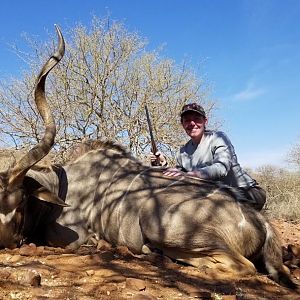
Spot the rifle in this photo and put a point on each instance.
(153, 144)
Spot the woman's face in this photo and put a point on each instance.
(194, 125)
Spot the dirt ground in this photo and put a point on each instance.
(101, 272)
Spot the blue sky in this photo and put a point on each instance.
(249, 51)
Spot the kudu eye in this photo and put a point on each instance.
(15, 198)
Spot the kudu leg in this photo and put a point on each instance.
(219, 261)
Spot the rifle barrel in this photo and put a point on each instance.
(153, 144)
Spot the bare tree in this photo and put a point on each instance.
(294, 155)
(99, 91)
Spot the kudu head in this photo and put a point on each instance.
(13, 195)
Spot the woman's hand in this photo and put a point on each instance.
(158, 159)
(173, 172)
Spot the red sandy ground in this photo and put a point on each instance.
(90, 273)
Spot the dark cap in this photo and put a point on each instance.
(192, 107)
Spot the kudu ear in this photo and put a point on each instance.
(35, 188)
(44, 194)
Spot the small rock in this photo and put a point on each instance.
(296, 273)
(59, 250)
(103, 245)
(28, 250)
(90, 272)
(33, 278)
(229, 297)
(144, 296)
(135, 284)
(295, 249)
(115, 279)
(40, 250)
(14, 258)
(110, 289)
(195, 293)
(146, 250)
(107, 256)
(123, 251)
(4, 274)
(13, 251)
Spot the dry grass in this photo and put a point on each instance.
(283, 192)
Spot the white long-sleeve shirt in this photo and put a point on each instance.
(214, 157)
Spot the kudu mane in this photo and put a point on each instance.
(82, 148)
(85, 146)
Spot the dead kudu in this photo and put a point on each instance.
(109, 194)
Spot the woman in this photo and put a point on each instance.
(210, 155)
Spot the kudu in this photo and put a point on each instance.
(111, 195)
